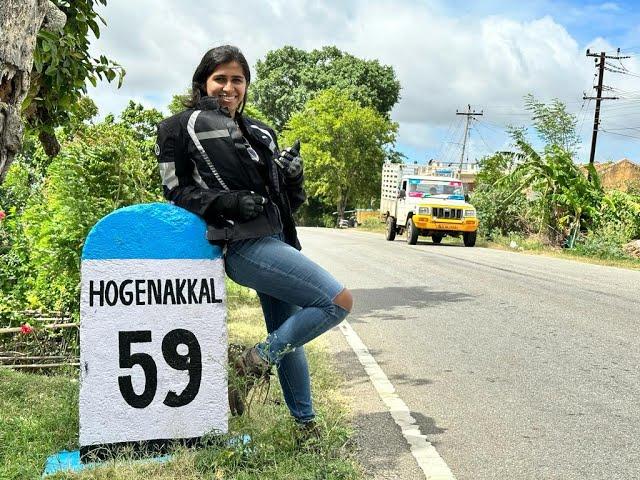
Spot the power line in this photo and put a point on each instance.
(446, 139)
(448, 150)
(584, 115)
(493, 127)
(634, 47)
(620, 134)
(624, 128)
(489, 149)
(623, 72)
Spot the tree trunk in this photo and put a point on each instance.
(20, 21)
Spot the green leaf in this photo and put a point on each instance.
(65, 63)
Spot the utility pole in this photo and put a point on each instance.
(601, 64)
(468, 114)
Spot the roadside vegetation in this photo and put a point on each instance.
(531, 244)
(39, 417)
(542, 200)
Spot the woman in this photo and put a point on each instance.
(227, 168)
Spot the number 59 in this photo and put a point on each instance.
(191, 362)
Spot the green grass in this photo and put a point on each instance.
(530, 245)
(372, 225)
(533, 245)
(39, 417)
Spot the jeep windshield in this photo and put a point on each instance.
(429, 188)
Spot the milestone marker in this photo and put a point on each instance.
(153, 337)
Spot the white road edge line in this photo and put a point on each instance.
(431, 463)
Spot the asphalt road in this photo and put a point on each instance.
(514, 366)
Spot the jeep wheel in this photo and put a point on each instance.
(412, 232)
(391, 229)
(437, 238)
(469, 239)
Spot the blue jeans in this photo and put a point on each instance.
(296, 296)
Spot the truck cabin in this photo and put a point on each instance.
(424, 188)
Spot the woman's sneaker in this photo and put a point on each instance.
(308, 435)
(249, 369)
(251, 365)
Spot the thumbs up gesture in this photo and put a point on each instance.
(290, 162)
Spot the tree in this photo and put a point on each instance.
(177, 102)
(143, 122)
(100, 167)
(48, 63)
(343, 147)
(289, 77)
(251, 110)
(564, 198)
(554, 124)
(20, 23)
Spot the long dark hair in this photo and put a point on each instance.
(210, 61)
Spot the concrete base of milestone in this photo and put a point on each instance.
(66, 461)
(151, 451)
(147, 448)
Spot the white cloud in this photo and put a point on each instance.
(443, 62)
(610, 7)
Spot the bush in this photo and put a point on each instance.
(98, 171)
(605, 243)
(21, 185)
(502, 208)
(372, 222)
(622, 211)
(328, 221)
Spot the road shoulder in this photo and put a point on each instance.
(380, 447)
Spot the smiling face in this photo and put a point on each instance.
(228, 84)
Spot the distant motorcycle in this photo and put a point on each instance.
(348, 222)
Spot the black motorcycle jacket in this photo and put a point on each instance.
(203, 153)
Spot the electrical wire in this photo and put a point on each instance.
(622, 128)
(583, 110)
(619, 134)
(489, 150)
(623, 72)
(446, 138)
(447, 146)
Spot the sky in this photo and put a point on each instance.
(446, 55)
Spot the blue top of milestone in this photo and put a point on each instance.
(149, 231)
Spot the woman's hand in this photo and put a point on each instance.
(242, 206)
(290, 162)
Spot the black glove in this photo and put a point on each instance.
(241, 206)
(290, 162)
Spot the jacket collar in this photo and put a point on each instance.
(211, 103)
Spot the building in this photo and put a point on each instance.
(438, 168)
(620, 175)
